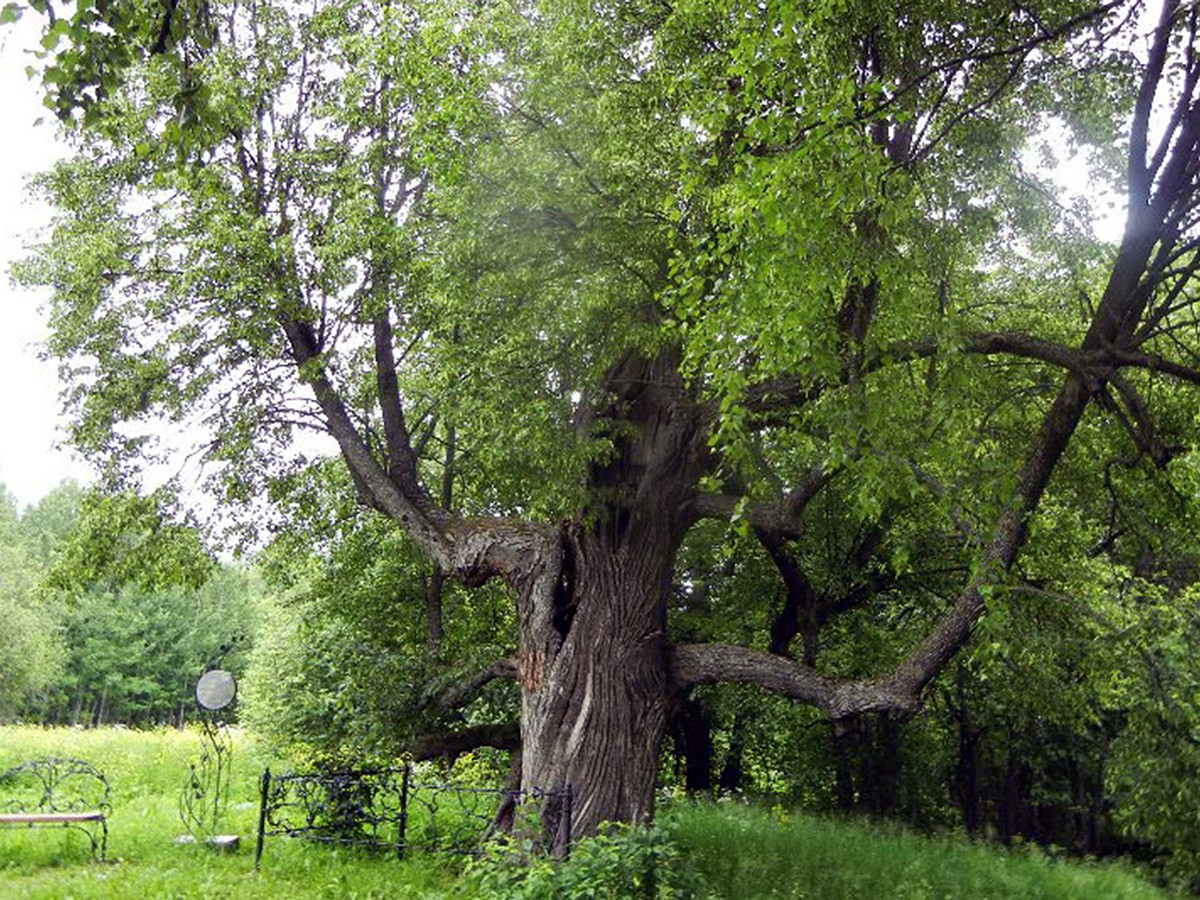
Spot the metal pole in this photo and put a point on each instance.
(570, 814)
(403, 812)
(262, 816)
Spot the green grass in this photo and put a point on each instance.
(146, 771)
(728, 850)
(743, 851)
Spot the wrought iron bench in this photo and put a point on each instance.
(54, 792)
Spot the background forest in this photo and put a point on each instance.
(112, 610)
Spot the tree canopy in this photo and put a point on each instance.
(603, 301)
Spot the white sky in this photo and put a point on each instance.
(30, 461)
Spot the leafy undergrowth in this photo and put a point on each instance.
(732, 850)
(726, 850)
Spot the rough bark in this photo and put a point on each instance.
(592, 669)
(593, 714)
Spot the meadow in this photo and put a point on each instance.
(711, 850)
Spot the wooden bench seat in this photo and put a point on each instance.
(49, 818)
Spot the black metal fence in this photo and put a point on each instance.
(394, 809)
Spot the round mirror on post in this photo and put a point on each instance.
(216, 689)
(206, 789)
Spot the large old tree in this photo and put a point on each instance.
(619, 269)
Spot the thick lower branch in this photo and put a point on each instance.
(501, 737)
(690, 664)
(463, 692)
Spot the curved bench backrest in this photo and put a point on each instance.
(54, 785)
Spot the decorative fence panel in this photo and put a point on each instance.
(391, 809)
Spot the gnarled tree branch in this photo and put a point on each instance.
(463, 692)
(1106, 344)
(474, 549)
(500, 736)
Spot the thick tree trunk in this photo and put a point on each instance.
(594, 718)
(692, 733)
(595, 693)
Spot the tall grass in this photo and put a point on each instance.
(741, 851)
(698, 850)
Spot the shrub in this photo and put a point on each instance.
(621, 862)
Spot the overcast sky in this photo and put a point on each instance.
(30, 462)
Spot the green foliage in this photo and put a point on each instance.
(31, 651)
(1154, 769)
(31, 645)
(326, 689)
(113, 610)
(622, 861)
(343, 668)
(129, 540)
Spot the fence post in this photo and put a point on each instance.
(570, 804)
(403, 811)
(262, 816)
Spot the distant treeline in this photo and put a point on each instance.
(112, 610)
